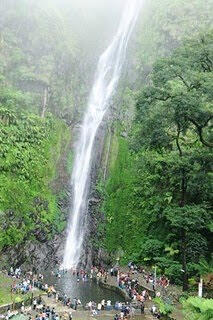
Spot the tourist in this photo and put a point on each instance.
(43, 315)
(153, 310)
(147, 279)
(8, 316)
(112, 272)
(57, 317)
(70, 315)
(75, 303)
(53, 313)
(56, 297)
(116, 272)
(108, 305)
(119, 306)
(34, 303)
(94, 312)
(122, 315)
(11, 273)
(116, 305)
(99, 307)
(105, 277)
(142, 308)
(39, 301)
(22, 307)
(47, 311)
(41, 277)
(103, 304)
(90, 305)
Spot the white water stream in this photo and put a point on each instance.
(106, 79)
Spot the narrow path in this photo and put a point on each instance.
(172, 292)
(80, 314)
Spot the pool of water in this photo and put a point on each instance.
(83, 290)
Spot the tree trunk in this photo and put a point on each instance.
(182, 204)
(44, 106)
(184, 262)
(183, 234)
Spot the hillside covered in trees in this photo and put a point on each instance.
(155, 189)
(46, 65)
(157, 199)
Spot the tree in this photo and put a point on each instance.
(198, 309)
(174, 117)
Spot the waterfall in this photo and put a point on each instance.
(106, 79)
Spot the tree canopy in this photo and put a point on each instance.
(159, 193)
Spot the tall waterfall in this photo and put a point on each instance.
(106, 79)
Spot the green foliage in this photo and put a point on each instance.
(159, 192)
(5, 292)
(38, 52)
(119, 186)
(163, 26)
(13, 99)
(30, 147)
(204, 267)
(150, 249)
(198, 309)
(164, 308)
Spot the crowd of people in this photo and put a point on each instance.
(24, 283)
(37, 311)
(128, 281)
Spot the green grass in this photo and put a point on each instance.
(5, 292)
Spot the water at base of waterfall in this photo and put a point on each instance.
(84, 290)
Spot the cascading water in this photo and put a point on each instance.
(106, 79)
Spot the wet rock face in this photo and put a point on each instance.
(41, 253)
(44, 249)
(34, 255)
(93, 254)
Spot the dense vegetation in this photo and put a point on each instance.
(198, 309)
(30, 149)
(157, 196)
(46, 65)
(34, 60)
(159, 192)
(34, 80)
(45, 54)
(163, 26)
